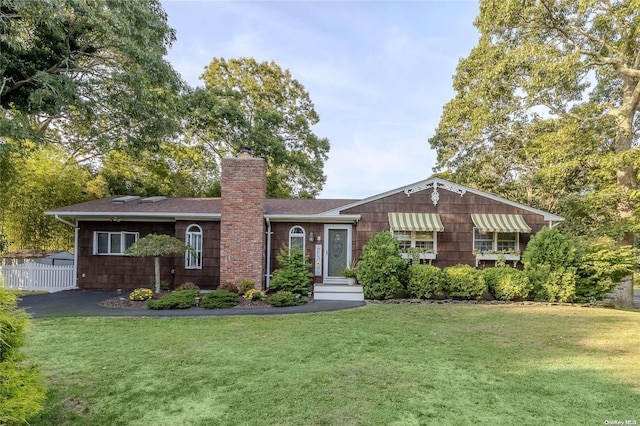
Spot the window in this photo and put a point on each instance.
(495, 241)
(420, 243)
(113, 242)
(193, 259)
(296, 237)
(416, 239)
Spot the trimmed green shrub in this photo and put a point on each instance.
(602, 266)
(425, 281)
(382, 270)
(22, 389)
(557, 285)
(549, 247)
(464, 282)
(285, 298)
(219, 299)
(183, 299)
(294, 274)
(507, 283)
(550, 262)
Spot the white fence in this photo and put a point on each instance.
(37, 277)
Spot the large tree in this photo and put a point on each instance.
(260, 105)
(88, 75)
(547, 109)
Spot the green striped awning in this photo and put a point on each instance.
(415, 222)
(500, 223)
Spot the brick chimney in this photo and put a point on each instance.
(242, 228)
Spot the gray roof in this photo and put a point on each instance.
(189, 207)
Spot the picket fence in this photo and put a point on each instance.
(35, 276)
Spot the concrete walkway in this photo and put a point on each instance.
(85, 303)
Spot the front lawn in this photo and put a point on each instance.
(376, 365)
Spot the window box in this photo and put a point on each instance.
(508, 257)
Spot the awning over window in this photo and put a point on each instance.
(500, 223)
(415, 222)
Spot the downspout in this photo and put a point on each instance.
(75, 247)
(268, 271)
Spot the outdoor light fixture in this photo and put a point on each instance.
(311, 236)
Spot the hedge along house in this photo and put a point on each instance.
(239, 235)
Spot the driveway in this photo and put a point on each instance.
(85, 303)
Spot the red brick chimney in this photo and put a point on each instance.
(242, 227)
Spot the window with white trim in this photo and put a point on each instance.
(416, 239)
(495, 241)
(114, 243)
(193, 259)
(296, 237)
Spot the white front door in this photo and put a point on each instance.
(337, 252)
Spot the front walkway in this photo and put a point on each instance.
(85, 303)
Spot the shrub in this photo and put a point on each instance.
(425, 281)
(507, 283)
(464, 282)
(294, 275)
(219, 299)
(141, 294)
(254, 294)
(229, 287)
(382, 270)
(285, 298)
(187, 286)
(549, 262)
(556, 286)
(22, 389)
(549, 247)
(601, 267)
(183, 299)
(245, 285)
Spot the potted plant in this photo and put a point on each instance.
(350, 273)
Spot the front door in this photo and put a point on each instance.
(337, 252)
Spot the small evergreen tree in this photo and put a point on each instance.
(294, 274)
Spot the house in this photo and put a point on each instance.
(54, 258)
(239, 235)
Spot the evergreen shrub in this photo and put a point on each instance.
(382, 272)
(219, 299)
(285, 298)
(425, 281)
(22, 389)
(464, 282)
(294, 274)
(507, 283)
(183, 299)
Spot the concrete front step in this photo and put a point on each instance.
(338, 292)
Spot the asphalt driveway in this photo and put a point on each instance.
(79, 303)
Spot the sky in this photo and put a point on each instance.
(378, 72)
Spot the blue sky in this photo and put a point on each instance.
(378, 73)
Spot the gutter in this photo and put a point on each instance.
(313, 218)
(268, 271)
(75, 247)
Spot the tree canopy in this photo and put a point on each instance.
(260, 105)
(546, 109)
(88, 75)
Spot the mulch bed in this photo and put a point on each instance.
(123, 302)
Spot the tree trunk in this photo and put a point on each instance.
(157, 268)
(626, 180)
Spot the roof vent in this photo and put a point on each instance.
(153, 199)
(125, 199)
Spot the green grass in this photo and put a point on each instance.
(376, 365)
